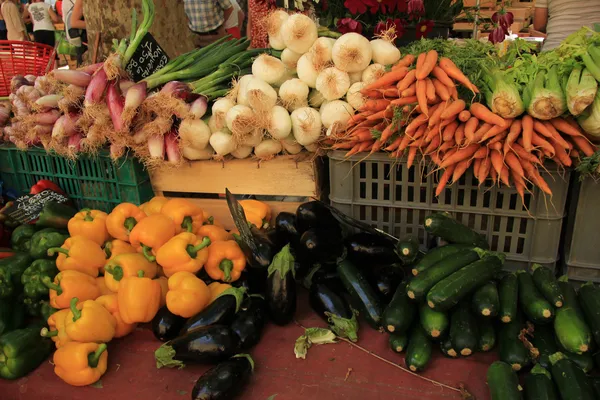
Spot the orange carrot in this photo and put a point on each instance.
(387, 132)
(410, 92)
(433, 145)
(390, 91)
(504, 175)
(454, 92)
(565, 127)
(459, 135)
(444, 179)
(374, 94)
(453, 109)
(499, 137)
(428, 64)
(395, 144)
(483, 113)
(441, 90)
(493, 175)
(422, 96)
(420, 61)
(375, 105)
(541, 128)
(418, 143)
(484, 170)
(407, 81)
(455, 73)
(343, 146)
(497, 161)
(561, 154)
(482, 152)
(527, 132)
(420, 132)
(406, 61)
(495, 146)
(435, 158)
(524, 155)
(403, 144)
(584, 145)
(557, 136)
(404, 101)
(421, 119)
(443, 77)
(391, 78)
(360, 135)
(513, 163)
(447, 145)
(519, 184)
(460, 155)
(513, 134)
(470, 128)
(355, 149)
(449, 130)
(539, 181)
(430, 90)
(412, 152)
(464, 116)
(435, 117)
(538, 141)
(481, 131)
(365, 146)
(460, 169)
(476, 167)
(377, 116)
(377, 146)
(492, 132)
(574, 153)
(434, 131)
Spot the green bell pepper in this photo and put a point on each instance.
(22, 351)
(11, 270)
(44, 240)
(55, 215)
(12, 315)
(32, 278)
(38, 308)
(20, 239)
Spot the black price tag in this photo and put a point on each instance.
(148, 58)
(28, 207)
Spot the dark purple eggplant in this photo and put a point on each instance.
(316, 215)
(285, 226)
(210, 344)
(226, 380)
(385, 279)
(335, 310)
(327, 274)
(367, 249)
(250, 321)
(320, 246)
(221, 311)
(166, 325)
(281, 288)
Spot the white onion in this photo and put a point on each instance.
(321, 52)
(280, 124)
(306, 70)
(274, 22)
(333, 83)
(222, 142)
(294, 94)
(268, 68)
(372, 73)
(242, 86)
(267, 149)
(291, 146)
(335, 115)
(253, 139)
(354, 97)
(215, 125)
(219, 110)
(290, 59)
(194, 133)
(194, 154)
(261, 96)
(351, 52)
(315, 98)
(240, 120)
(312, 148)
(299, 32)
(306, 125)
(242, 152)
(355, 77)
(384, 52)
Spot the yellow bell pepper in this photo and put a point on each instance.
(164, 289)
(90, 224)
(102, 286)
(187, 295)
(122, 219)
(214, 233)
(151, 233)
(187, 216)
(111, 303)
(56, 328)
(257, 213)
(209, 219)
(138, 298)
(154, 205)
(79, 253)
(226, 261)
(89, 322)
(184, 252)
(70, 284)
(117, 247)
(127, 265)
(81, 364)
(216, 288)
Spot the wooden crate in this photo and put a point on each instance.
(284, 183)
(482, 3)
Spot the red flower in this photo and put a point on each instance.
(423, 28)
(356, 6)
(497, 35)
(402, 6)
(346, 25)
(386, 6)
(396, 23)
(416, 7)
(504, 18)
(324, 5)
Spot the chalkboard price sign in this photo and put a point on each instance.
(28, 207)
(148, 58)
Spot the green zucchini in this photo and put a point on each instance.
(463, 330)
(449, 291)
(418, 287)
(511, 349)
(538, 385)
(508, 291)
(503, 382)
(447, 349)
(589, 299)
(570, 380)
(546, 283)
(436, 255)
(486, 300)
(434, 323)
(408, 250)
(595, 382)
(535, 306)
(572, 331)
(584, 361)
(544, 341)
(487, 335)
(398, 342)
(419, 348)
(399, 314)
(361, 293)
(452, 231)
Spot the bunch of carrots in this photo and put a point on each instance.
(418, 111)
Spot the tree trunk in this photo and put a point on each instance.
(113, 20)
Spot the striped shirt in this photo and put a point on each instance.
(566, 17)
(205, 15)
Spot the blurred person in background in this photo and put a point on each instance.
(233, 24)
(43, 17)
(76, 34)
(206, 18)
(256, 30)
(14, 23)
(3, 32)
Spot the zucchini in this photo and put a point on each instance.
(511, 349)
(408, 250)
(546, 283)
(487, 335)
(463, 330)
(449, 291)
(595, 382)
(544, 341)
(362, 295)
(436, 255)
(508, 292)
(584, 361)
(570, 379)
(503, 382)
(535, 306)
(538, 385)
(398, 342)
(572, 331)
(418, 287)
(434, 323)
(486, 300)
(452, 231)
(418, 352)
(399, 314)
(447, 349)
(589, 299)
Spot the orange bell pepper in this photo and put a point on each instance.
(89, 322)
(187, 295)
(104, 290)
(257, 213)
(90, 224)
(80, 364)
(138, 298)
(184, 252)
(186, 215)
(214, 233)
(70, 284)
(209, 219)
(79, 253)
(122, 219)
(117, 247)
(216, 288)
(226, 261)
(151, 233)
(164, 289)
(56, 328)
(154, 205)
(111, 303)
(127, 265)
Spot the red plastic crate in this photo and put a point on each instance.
(22, 58)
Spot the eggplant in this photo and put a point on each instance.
(281, 288)
(320, 246)
(166, 325)
(250, 321)
(285, 226)
(385, 280)
(327, 274)
(210, 344)
(365, 248)
(224, 381)
(221, 311)
(335, 310)
(316, 215)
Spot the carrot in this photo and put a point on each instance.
(513, 163)
(355, 149)
(449, 130)
(419, 133)
(481, 152)
(375, 105)
(541, 128)
(528, 132)
(395, 144)
(390, 91)
(391, 78)
(420, 61)
(464, 116)
(427, 65)
(435, 158)
(499, 138)
(404, 101)
(563, 126)
(365, 146)
(483, 113)
(412, 152)
(377, 146)
(406, 61)
(492, 132)
(538, 141)
(403, 144)
(374, 94)
(411, 91)
(459, 135)
(454, 92)
(430, 90)
(495, 146)
(360, 135)
(497, 161)
(557, 136)
(561, 154)
(470, 128)
(504, 176)
(435, 117)
(519, 184)
(356, 118)
(584, 145)
(455, 73)
(540, 182)
(418, 143)
(388, 131)
(421, 119)
(484, 170)
(441, 90)
(377, 116)
(343, 146)
(443, 77)
(460, 155)
(574, 153)
(460, 169)
(481, 131)
(435, 143)
(444, 179)
(493, 175)
(476, 167)
(513, 134)
(524, 155)
(446, 146)
(408, 80)
(434, 131)
(422, 96)
(453, 109)
(389, 112)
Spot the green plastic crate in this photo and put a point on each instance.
(92, 182)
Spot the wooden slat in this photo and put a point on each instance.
(282, 176)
